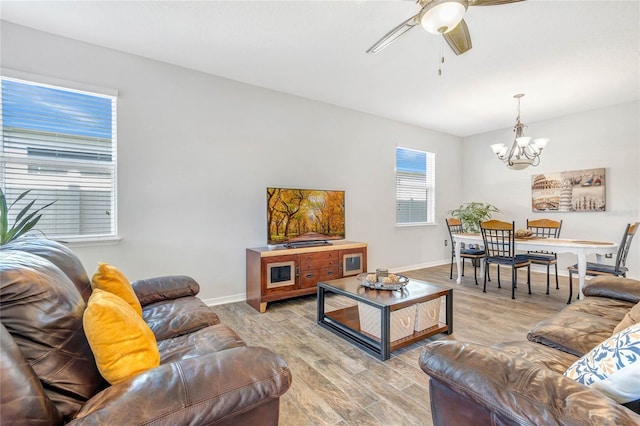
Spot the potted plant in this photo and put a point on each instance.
(24, 221)
(471, 214)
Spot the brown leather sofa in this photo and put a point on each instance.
(522, 383)
(207, 374)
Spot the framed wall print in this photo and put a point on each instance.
(574, 191)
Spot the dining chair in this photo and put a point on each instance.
(499, 245)
(617, 269)
(545, 228)
(474, 254)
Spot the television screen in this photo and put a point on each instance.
(304, 215)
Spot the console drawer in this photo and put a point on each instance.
(318, 264)
(311, 278)
(323, 255)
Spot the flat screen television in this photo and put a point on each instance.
(298, 217)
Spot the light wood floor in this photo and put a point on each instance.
(335, 383)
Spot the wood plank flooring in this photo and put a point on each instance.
(335, 383)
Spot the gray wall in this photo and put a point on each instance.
(608, 137)
(196, 153)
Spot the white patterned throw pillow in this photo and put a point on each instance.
(612, 367)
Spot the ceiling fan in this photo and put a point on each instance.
(440, 17)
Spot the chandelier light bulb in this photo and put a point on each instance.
(497, 147)
(540, 143)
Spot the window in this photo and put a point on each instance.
(61, 144)
(415, 186)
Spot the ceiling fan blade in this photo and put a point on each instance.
(491, 2)
(459, 39)
(394, 34)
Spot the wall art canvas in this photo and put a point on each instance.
(573, 191)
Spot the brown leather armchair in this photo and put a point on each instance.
(207, 374)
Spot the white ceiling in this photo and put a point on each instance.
(566, 56)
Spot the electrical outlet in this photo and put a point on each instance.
(608, 255)
(446, 243)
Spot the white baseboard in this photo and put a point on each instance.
(225, 299)
(419, 266)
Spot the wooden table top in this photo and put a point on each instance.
(415, 291)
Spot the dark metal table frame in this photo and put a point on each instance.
(345, 323)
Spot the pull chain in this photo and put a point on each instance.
(441, 56)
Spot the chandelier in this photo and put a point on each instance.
(525, 151)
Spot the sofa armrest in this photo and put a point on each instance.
(164, 288)
(206, 389)
(472, 382)
(620, 288)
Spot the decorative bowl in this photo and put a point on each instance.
(393, 282)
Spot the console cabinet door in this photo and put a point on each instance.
(353, 262)
(279, 274)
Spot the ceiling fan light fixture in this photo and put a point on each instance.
(442, 16)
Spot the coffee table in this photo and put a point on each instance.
(344, 320)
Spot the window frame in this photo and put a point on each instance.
(86, 160)
(429, 187)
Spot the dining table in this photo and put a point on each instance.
(581, 248)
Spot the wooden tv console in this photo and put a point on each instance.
(281, 273)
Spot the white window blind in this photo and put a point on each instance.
(61, 144)
(415, 186)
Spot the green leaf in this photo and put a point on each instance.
(4, 218)
(24, 221)
(20, 197)
(24, 210)
(27, 227)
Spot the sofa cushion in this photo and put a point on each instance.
(109, 278)
(613, 287)
(612, 367)
(546, 356)
(572, 332)
(158, 289)
(205, 341)
(171, 318)
(42, 310)
(20, 389)
(59, 255)
(631, 317)
(604, 307)
(122, 343)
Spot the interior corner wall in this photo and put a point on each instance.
(196, 153)
(608, 137)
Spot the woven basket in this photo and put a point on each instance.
(402, 321)
(427, 314)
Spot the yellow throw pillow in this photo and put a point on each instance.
(122, 343)
(109, 278)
